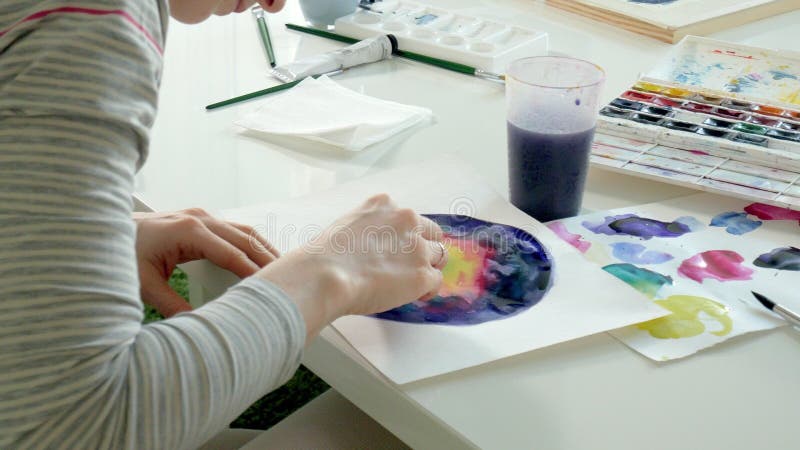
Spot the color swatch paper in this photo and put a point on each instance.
(699, 257)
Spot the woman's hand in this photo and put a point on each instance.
(373, 259)
(164, 240)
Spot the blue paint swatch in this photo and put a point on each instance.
(642, 227)
(783, 258)
(735, 222)
(638, 254)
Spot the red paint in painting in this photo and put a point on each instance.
(731, 53)
(769, 212)
(722, 265)
(572, 239)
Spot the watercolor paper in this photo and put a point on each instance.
(699, 257)
(582, 299)
(669, 20)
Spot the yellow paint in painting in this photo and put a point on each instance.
(462, 272)
(791, 97)
(684, 321)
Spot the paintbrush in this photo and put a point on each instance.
(267, 91)
(790, 316)
(263, 31)
(441, 63)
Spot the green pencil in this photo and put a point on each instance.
(444, 64)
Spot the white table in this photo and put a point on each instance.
(590, 393)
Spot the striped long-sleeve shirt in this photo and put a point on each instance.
(78, 88)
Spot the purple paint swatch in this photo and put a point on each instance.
(642, 227)
(735, 222)
(516, 275)
(638, 254)
(783, 258)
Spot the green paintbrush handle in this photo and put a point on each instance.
(255, 94)
(264, 31)
(444, 64)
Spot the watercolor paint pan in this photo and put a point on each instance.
(646, 118)
(750, 128)
(615, 112)
(638, 96)
(712, 132)
(758, 120)
(784, 135)
(719, 123)
(788, 126)
(626, 104)
(681, 126)
(738, 104)
(750, 139)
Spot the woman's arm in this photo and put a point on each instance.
(78, 90)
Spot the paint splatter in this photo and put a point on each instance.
(494, 271)
(575, 240)
(642, 227)
(685, 320)
(783, 258)
(654, 2)
(722, 265)
(638, 254)
(781, 75)
(769, 212)
(645, 281)
(735, 222)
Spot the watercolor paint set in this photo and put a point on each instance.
(717, 116)
(485, 44)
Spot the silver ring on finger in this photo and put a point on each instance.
(442, 255)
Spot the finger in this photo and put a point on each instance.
(240, 240)
(256, 239)
(430, 230)
(380, 201)
(210, 246)
(433, 279)
(166, 301)
(272, 6)
(438, 254)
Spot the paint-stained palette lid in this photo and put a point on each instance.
(726, 69)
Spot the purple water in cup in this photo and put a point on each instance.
(552, 105)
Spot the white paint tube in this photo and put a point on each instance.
(362, 52)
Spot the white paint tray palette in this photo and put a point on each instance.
(714, 116)
(440, 33)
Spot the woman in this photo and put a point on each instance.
(78, 88)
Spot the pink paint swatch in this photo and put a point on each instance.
(769, 212)
(572, 239)
(722, 265)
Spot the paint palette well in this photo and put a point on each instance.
(494, 271)
(441, 33)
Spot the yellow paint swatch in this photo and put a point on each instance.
(684, 321)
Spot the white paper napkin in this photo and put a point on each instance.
(322, 110)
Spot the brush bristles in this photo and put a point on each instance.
(769, 304)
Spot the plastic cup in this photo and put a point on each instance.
(552, 105)
(323, 13)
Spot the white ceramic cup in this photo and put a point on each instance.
(323, 13)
